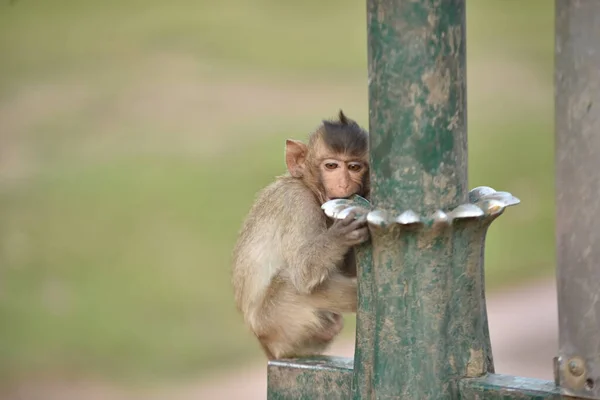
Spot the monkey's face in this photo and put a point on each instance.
(342, 176)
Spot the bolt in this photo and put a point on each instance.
(576, 367)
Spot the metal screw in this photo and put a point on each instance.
(576, 367)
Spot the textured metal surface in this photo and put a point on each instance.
(327, 378)
(422, 323)
(578, 194)
(365, 317)
(417, 103)
(506, 387)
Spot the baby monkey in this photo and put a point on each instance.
(293, 268)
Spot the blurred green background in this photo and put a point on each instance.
(135, 133)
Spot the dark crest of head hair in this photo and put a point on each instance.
(344, 135)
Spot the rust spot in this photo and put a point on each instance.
(416, 123)
(438, 86)
(432, 19)
(476, 364)
(414, 93)
(454, 121)
(310, 378)
(381, 15)
(434, 185)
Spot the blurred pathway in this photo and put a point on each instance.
(523, 328)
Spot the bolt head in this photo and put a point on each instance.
(576, 367)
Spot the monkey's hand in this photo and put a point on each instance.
(317, 259)
(316, 253)
(350, 231)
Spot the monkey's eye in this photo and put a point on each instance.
(354, 167)
(331, 165)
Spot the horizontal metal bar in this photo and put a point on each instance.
(310, 378)
(331, 378)
(506, 387)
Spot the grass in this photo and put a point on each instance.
(134, 134)
(140, 277)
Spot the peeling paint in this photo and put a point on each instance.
(438, 86)
(417, 95)
(322, 377)
(436, 185)
(365, 322)
(506, 387)
(476, 364)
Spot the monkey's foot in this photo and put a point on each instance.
(333, 324)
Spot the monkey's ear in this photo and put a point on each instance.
(295, 157)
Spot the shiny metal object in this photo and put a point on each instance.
(484, 202)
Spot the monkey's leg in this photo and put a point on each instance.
(337, 294)
(293, 328)
(318, 338)
(332, 325)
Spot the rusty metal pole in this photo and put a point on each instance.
(577, 100)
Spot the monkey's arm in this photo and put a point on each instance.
(348, 267)
(336, 294)
(311, 251)
(310, 263)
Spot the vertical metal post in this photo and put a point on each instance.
(417, 125)
(422, 321)
(577, 100)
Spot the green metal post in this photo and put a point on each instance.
(429, 314)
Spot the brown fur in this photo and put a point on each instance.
(288, 261)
